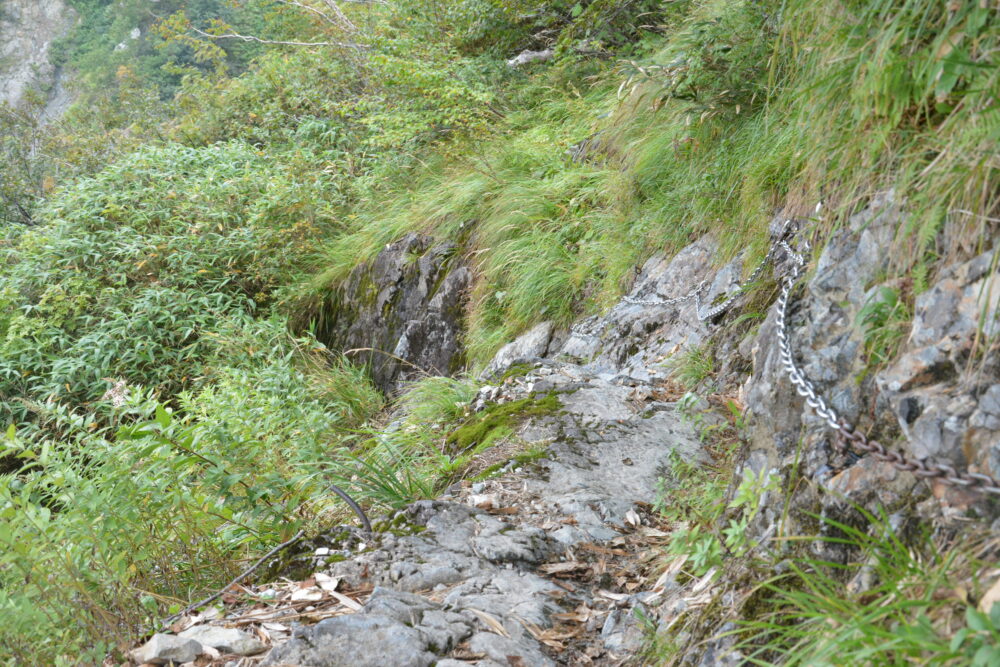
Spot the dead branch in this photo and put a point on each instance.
(259, 40)
(345, 22)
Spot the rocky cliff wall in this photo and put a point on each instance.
(27, 30)
(936, 401)
(402, 313)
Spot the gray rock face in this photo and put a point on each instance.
(27, 30)
(944, 404)
(225, 640)
(361, 640)
(403, 310)
(163, 649)
(828, 345)
(528, 347)
(632, 341)
(938, 400)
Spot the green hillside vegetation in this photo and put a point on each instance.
(171, 247)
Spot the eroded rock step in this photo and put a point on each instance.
(474, 587)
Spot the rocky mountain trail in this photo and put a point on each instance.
(561, 559)
(547, 562)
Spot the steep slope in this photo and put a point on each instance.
(198, 295)
(553, 561)
(27, 30)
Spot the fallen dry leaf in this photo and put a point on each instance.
(597, 549)
(307, 595)
(276, 627)
(502, 510)
(326, 582)
(672, 569)
(654, 532)
(483, 501)
(617, 597)
(350, 603)
(564, 568)
(990, 597)
(581, 614)
(492, 622)
(703, 583)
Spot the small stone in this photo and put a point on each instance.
(162, 649)
(226, 640)
(307, 595)
(484, 501)
(528, 346)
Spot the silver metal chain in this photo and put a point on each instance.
(695, 294)
(847, 435)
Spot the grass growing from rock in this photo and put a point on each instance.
(432, 444)
(899, 592)
(905, 596)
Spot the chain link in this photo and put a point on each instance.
(693, 294)
(847, 436)
(704, 285)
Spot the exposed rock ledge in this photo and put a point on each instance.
(402, 312)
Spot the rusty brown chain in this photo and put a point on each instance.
(847, 435)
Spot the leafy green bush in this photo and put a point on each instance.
(106, 528)
(136, 270)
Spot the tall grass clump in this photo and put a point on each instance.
(408, 459)
(901, 599)
(737, 110)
